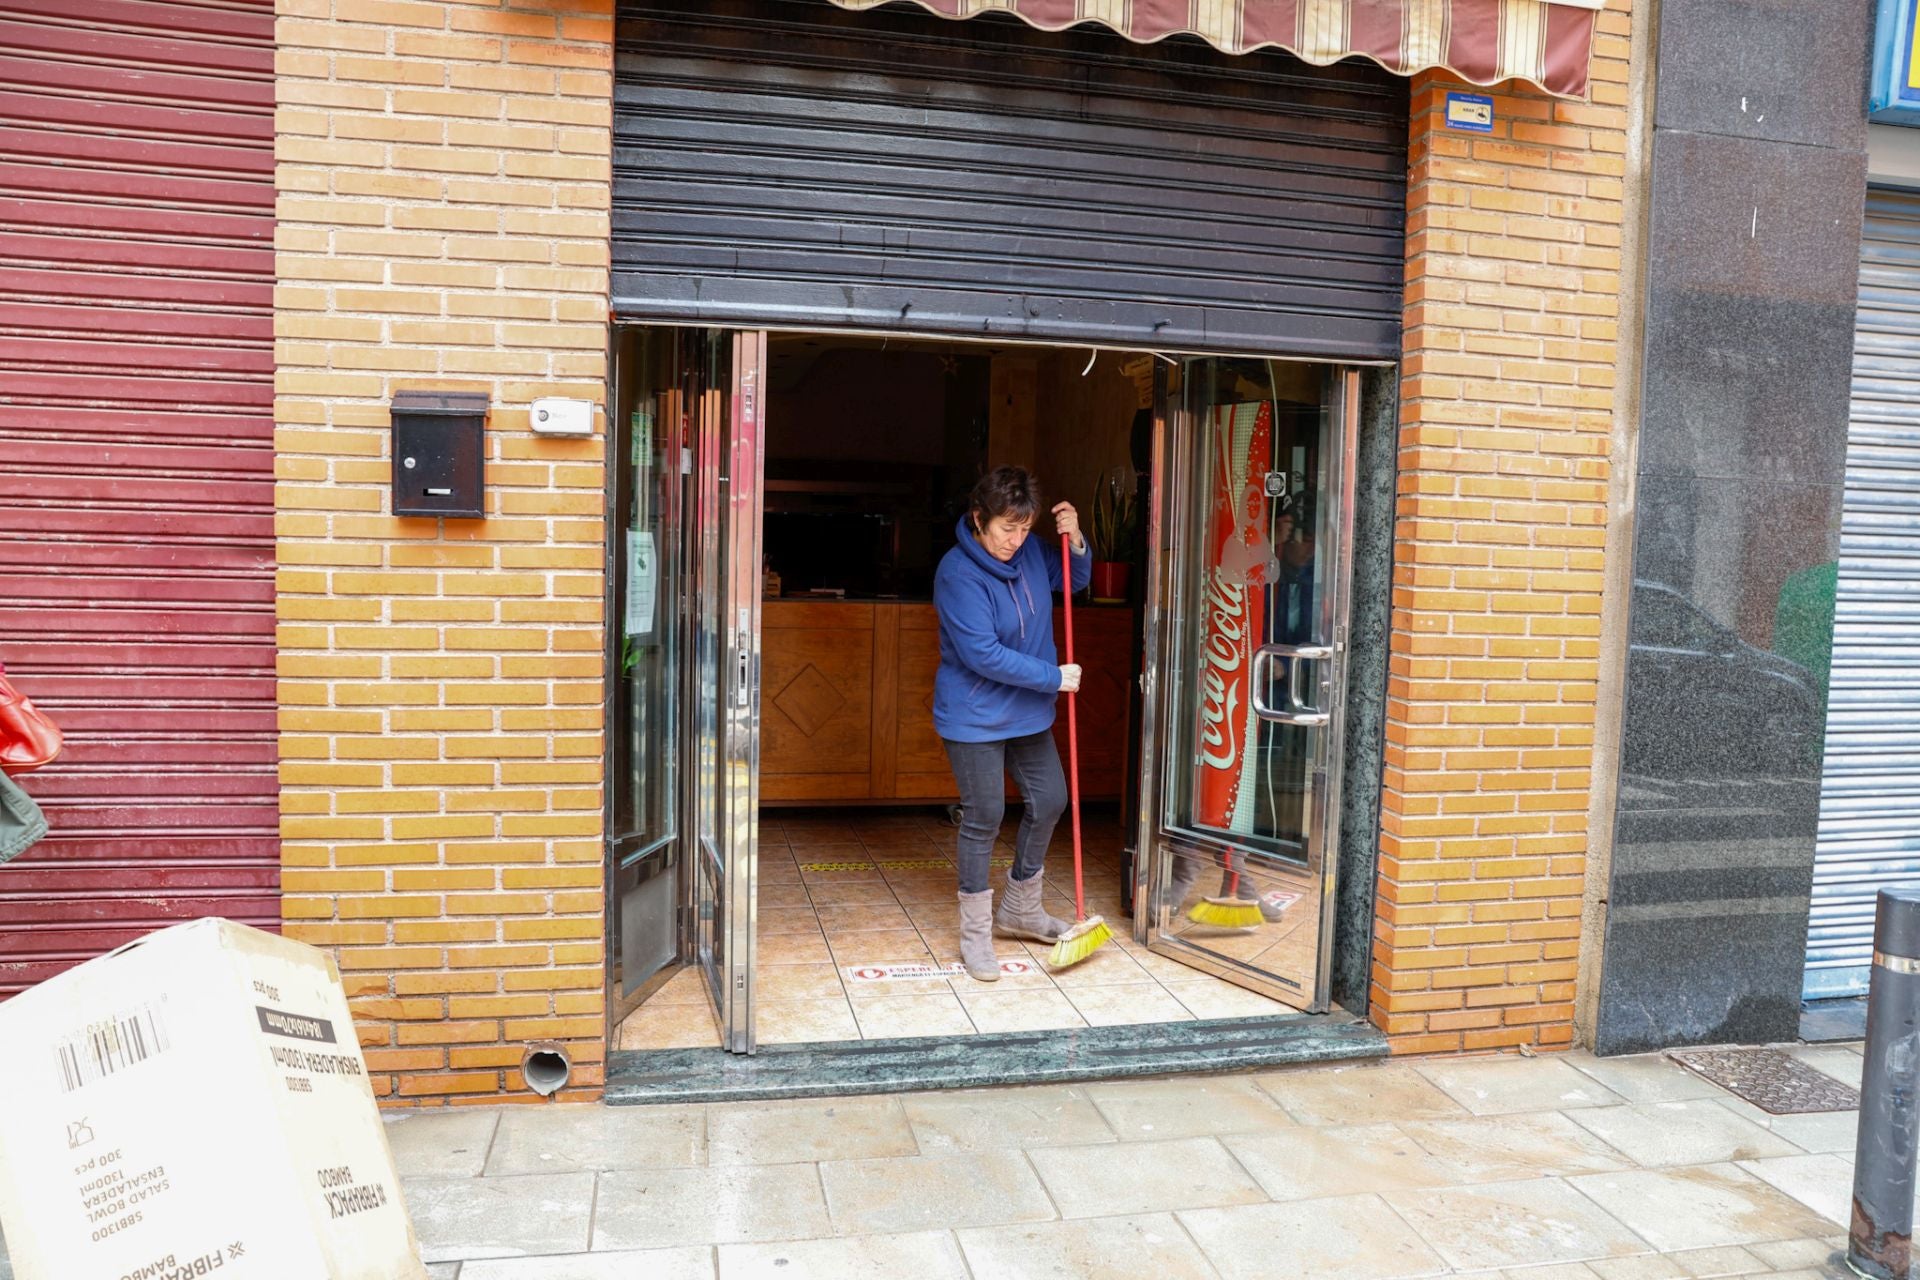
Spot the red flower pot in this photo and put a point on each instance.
(1110, 579)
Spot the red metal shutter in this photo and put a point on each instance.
(136, 465)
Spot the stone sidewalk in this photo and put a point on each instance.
(1551, 1168)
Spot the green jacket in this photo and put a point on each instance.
(21, 822)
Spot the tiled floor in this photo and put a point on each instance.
(844, 895)
(1557, 1168)
(1560, 1168)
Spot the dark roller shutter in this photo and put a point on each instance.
(784, 163)
(136, 461)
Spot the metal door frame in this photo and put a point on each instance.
(720, 430)
(1175, 440)
(744, 499)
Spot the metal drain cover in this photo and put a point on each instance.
(1775, 1081)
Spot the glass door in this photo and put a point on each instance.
(653, 389)
(729, 465)
(685, 752)
(1251, 526)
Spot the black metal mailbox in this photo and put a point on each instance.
(439, 453)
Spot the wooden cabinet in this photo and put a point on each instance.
(846, 702)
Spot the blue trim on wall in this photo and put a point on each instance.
(1891, 99)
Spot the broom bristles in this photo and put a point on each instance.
(1226, 913)
(1079, 942)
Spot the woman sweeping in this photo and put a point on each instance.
(994, 697)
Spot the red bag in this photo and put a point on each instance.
(28, 739)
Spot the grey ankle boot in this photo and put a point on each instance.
(1022, 916)
(976, 936)
(1186, 872)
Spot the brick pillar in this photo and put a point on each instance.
(1513, 266)
(443, 223)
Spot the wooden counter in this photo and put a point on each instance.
(846, 706)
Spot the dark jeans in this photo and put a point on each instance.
(981, 769)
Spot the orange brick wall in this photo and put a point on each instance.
(443, 195)
(1513, 278)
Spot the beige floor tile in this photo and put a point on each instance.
(1673, 1133)
(783, 982)
(1712, 1263)
(1504, 1148)
(440, 1143)
(1510, 1224)
(669, 1026)
(1503, 1085)
(878, 946)
(1213, 998)
(689, 1262)
(805, 1021)
(991, 1119)
(1824, 1183)
(783, 895)
(525, 1216)
(1352, 1238)
(862, 915)
(1705, 1207)
(1021, 1010)
(850, 892)
(921, 891)
(1819, 1131)
(892, 1017)
(1358, 1095)
(862, 984)
(1148, 1177)
(1646, 1077)
(811, 1129)
(920, 1255)
(566, 1139)
(1786, 1254)
(652, 1208)
(920, 1193)
(1109, 966)
(688, 986)
(1148, 1245)
(1188, 1106)
(1128, 1005)
(1308, 1163)
(792, 948)
(787, 920)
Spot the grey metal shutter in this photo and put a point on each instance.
(787, 164)
(1870, 793)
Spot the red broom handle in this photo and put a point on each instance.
(1073, 725)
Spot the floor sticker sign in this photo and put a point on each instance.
(866, 974)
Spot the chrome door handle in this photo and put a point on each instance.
(1296, 712)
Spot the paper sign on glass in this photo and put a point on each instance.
(642, 584)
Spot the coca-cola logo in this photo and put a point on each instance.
(1222, 654)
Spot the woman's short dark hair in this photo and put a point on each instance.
(1005, 491)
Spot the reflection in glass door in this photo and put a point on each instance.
(1252, 523)
(652, 379)
(684, 752)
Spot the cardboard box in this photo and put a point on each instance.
(195, 1104)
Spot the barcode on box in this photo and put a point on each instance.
(110, 1045)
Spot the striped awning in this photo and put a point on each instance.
(1545, 42)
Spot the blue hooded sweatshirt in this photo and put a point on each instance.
(999, 672)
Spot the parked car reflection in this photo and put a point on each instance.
(1704, 704)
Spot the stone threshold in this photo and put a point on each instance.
(828, 1070)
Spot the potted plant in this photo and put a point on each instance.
(1114, 515)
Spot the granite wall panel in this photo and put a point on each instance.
(1755, 194)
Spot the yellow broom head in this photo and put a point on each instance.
(1079, 942)
(1226, 913)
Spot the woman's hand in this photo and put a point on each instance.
(1070, 678)
(1066, 522)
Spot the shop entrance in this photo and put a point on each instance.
(782, 851)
